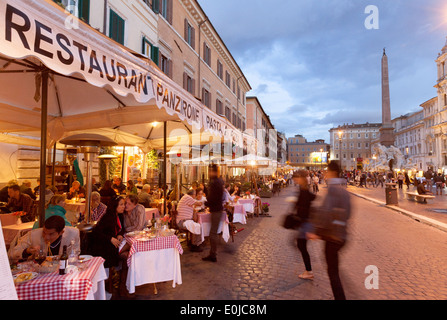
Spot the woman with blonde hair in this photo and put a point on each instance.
(55, 207)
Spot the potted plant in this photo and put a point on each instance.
(266, 207)
(265, 192)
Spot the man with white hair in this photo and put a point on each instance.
(144, 197)
(98, 209)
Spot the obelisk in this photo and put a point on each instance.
(387, 130)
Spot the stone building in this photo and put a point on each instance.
(351, 143)
(307, 155)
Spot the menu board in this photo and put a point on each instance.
(7, 288)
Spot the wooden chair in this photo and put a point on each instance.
(173, 225)
(230, 214)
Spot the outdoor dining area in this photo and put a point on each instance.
(117, 162)
(154, 247)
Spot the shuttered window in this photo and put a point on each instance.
(189, 83)
(190, 36)
(83, 7)
(116, 27)
(151, 51)
(219, 107)
(166, 65)
(206, 54)
(219, 69)
(166, 10)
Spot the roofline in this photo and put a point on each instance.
(223, 43)
(263, 111)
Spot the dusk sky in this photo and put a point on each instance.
(314, 65)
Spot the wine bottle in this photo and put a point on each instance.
(63, 262)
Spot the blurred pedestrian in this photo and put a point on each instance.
(215, 203)
(330, 223)
(439, 180)
(407, 180)
(302, 207)
(400, 180)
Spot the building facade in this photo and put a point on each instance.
(351, 144)
(307, 155)
(192, 53)
(282, 149)
(180, 38)
(260, 126)
(409, 132)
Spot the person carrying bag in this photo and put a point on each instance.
(330, 223)
(299, 219)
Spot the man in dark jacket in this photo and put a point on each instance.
(331, 226)
(215, 203)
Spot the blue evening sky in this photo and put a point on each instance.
(314, 65)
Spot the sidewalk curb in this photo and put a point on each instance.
(428, 221)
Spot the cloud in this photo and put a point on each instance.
(313, 64)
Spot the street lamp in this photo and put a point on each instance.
(321, 159)
(340, 135)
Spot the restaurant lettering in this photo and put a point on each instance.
(173, 101)
(45, 42)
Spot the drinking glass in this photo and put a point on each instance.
(40, 256)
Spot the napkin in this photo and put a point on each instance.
(193, 227)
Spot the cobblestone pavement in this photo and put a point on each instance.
(263, 263)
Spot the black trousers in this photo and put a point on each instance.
(214, 236)
(331, 252)
(302, 246)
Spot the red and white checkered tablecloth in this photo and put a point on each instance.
(159, 243)
(52, 286)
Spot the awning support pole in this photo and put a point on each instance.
(43, 146)
(165, 165)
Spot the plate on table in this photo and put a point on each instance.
(134, 233)
(144, 238)
(24, 277)
(84, 258)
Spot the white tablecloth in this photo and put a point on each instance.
(205, 222)
(239, 214)
(11, 231)
(98, 290)
(154, 266)
(249, 204)
(74, 211)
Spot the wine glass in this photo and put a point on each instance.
(40, 256)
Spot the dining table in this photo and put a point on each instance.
(204, 219)
(85, 284)
(13, 230)
(153, 259)
(9, 219)
(249, 204)
(239, 213)
(74, 210)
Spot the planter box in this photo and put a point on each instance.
(266, 194)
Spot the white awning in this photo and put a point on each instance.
(95, 83)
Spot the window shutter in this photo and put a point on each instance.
(156, 6)
(186, 30)
(170, 11)
(84, 10)
(170, 68)
(116, 27)
(185, 81)
(193, 38)
(155, 54)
